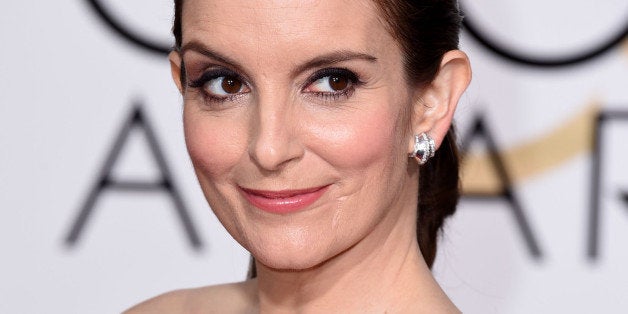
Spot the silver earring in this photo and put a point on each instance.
(424, 148)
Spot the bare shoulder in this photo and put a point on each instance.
(227, 298)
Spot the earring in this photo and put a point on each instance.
(424, 148)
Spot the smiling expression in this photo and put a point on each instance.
(296, 119)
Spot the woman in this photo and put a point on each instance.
(299, 118)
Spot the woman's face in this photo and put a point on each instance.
(296, 119)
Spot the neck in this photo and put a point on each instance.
(384, 272)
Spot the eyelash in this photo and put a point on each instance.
(208, 76)
(353, 78)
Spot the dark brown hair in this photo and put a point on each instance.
(425, 30)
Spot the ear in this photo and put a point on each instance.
(435, 104)
(175, 69)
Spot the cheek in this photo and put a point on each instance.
(213, 143)
(366, 137)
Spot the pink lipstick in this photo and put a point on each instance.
(283, 202)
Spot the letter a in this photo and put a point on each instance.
(479, 129)
(105, 181)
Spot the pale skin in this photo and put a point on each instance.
(354, 250)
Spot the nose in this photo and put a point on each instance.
(275, 141)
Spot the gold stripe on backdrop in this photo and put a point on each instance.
(532, 158)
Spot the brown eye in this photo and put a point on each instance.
(338, 83)
(231, 85)
(333, 82)
(225, 85)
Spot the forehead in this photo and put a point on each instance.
(292, 28)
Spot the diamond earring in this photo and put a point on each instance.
(424, 148)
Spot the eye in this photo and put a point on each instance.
(332, 81)
(331, 84)
(219, 85)
(224, 86)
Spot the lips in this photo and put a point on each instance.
(283, 202)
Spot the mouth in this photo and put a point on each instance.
(285, 201)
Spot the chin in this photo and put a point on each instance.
(290, 259)
(295, 265)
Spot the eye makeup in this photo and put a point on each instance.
(204, 83)
(327, 84)
(349, 81)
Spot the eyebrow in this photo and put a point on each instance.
(204, 50)
(332, 58)
(319, 61)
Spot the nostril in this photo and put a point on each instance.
(274, 154)
(275, 130)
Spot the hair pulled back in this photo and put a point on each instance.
(425, 30)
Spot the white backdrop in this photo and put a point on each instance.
(68, 83)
